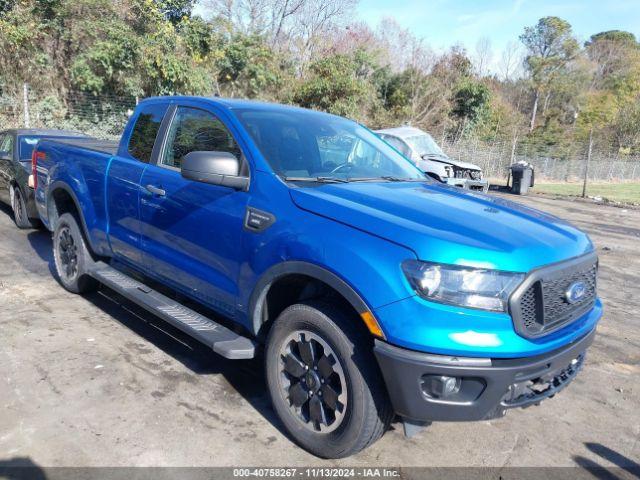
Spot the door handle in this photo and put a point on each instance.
(155, 190)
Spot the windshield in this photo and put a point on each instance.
(302, 144)
(424, 145)
(26, 146)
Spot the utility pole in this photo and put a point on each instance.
(513, 147)
(586, 165)
(25, 95)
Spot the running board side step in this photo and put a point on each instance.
(222, 340)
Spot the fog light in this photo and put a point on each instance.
(440, 386)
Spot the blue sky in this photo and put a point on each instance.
(442, 23)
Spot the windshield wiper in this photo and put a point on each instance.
(398, 179)
(316, 179)
(388, 178)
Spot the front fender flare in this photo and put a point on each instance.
(316, 272)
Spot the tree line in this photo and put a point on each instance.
(550, 90)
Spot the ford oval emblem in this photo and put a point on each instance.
(576, 292)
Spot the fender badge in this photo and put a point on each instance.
(258, 220)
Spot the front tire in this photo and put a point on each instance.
(72, 257)
(324, 382)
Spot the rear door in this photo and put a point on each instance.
(191, 231)
(6, 160)
(123, 184)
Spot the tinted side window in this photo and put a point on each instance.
(194, 130)
(145, 131)
(6, 145)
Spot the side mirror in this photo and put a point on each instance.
(216, 168)
(5, 155)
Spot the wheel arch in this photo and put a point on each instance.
(62, 199)
(259, 311)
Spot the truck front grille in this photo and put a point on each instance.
(467, 173)
(541, 304)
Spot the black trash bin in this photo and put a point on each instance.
(521, 178)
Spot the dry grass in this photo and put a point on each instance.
(625, 192)
(617, 192)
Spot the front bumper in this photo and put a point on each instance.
(486, 387)
(468, 184)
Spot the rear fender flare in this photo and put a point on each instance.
(60, 185)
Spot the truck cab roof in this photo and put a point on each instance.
(233, 103)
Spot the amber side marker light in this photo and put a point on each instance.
(372, 324)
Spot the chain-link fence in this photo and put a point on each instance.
(495, 157)
(104, 117)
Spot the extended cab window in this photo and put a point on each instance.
(145, 131)
(195, 130)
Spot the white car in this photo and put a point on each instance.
(421, 148)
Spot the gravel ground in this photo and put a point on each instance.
(92, 381)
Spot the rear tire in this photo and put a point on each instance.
(324, 381)
(20, 215)
(72, 257)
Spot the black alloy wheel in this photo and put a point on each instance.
(313, 381)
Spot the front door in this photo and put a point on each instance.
(191, 231)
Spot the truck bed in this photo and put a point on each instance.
(77, 158)
(110, 147)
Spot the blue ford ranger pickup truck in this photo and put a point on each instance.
(370, 291)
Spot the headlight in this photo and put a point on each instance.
(464, 286)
